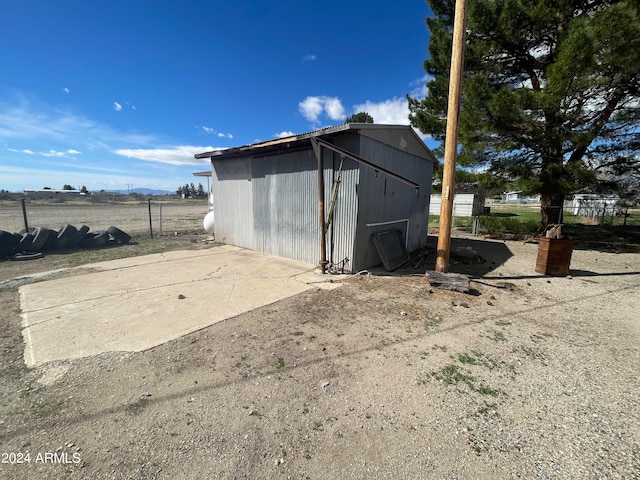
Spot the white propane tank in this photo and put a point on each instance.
(207, 223)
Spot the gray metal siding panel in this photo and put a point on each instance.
(342, 231)
(285, 206)
(384, 199)
(231, 185)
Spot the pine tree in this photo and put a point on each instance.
(551, 93)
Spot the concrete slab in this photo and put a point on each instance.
(137, 303)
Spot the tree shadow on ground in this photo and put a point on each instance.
(478, 258)
(605, 238)
(472, 257)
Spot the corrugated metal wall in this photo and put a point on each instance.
(232, 200)
(342, 231)
(385, 200)
(285, 206)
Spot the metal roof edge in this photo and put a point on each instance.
(313, 134)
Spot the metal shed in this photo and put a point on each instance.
(464, 204)
(269, 196)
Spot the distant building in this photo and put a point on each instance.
(206, 174)
(464, 204)
(51, 193)
(517, 197)
(592, 205)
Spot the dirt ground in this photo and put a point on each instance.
(385, 377)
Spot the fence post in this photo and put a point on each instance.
(150, 224)
(160, 219)
(613, 213)
(24, 216)
(626, 214)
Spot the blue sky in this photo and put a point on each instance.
(124, 93)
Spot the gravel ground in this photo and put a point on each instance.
(385, 377)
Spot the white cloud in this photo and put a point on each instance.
(312, 107)
(117, 107)
(50, 153)
(42, 123)
(214, 132)
(334, 109)
(420, 89)
(284, 134)
(53, 153)
(180, 155)
(26, 150)
(308, 58)
(393, 112)
(65, 90)
(33, 128)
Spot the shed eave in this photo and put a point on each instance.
(297, 141)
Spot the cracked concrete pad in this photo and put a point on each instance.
(137, 303)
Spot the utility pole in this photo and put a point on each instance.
(451, 141)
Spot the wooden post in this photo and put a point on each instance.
(150, 224)
(451, 142)
(323, 233)
(24, 216)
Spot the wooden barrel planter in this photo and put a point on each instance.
(554, 256)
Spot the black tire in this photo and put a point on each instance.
(40, 236)
(52, 241)
(7, 242)
(80, 236)
(118, 234)
(27, 256)
(67, 236)
(95, 240)
(86, 242)
(16, 241)
(25, 243)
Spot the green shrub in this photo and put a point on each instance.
(517, 225)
